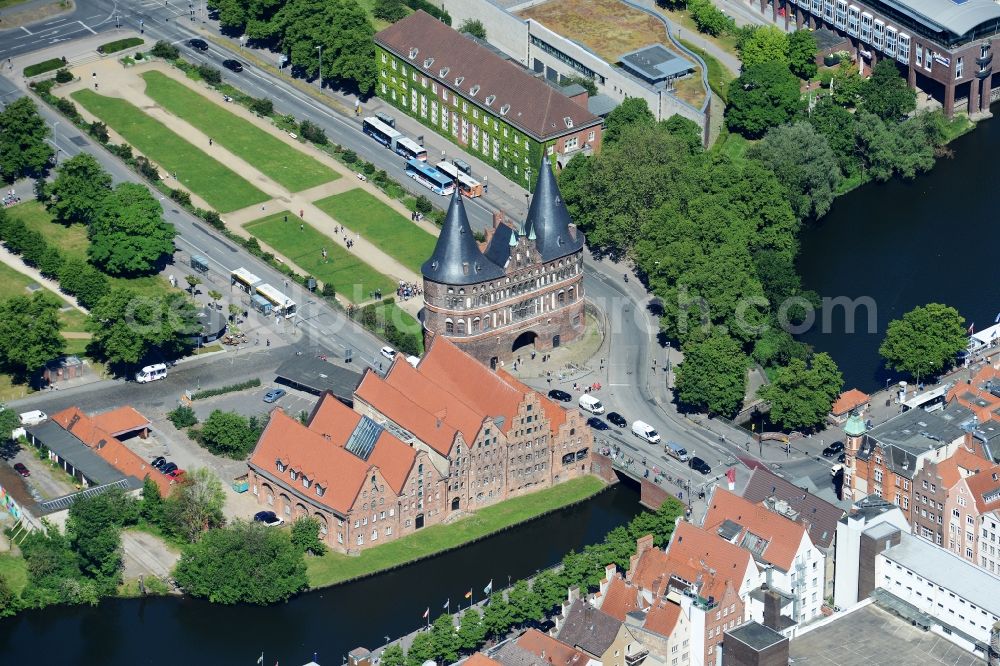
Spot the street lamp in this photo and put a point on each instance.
(55, 141)
(320, 49)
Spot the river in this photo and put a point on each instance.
(330, 623)
(905, 244)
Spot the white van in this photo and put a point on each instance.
(151, 373)
(677, 451)
(31, 418)
(591, 404)
(646, 431)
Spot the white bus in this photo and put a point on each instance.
(151, 373)
(381, 132)
(281, 304)
(244, 279)
(467, 185)
(410, 149)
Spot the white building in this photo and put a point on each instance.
(867, 513)
(989, 543)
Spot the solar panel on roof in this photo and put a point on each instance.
(362, 441)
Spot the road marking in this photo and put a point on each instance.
(91, 18)
(26, 30)
(87, 27)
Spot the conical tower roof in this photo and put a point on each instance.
(548, 220)
(456, 258)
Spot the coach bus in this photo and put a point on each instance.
(467, 185)
(381, 132)
(280, 304)
(430, 177)
(244, 279)
(410, 149)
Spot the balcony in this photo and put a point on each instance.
(635, 657)
(983, 74)
(984, 60)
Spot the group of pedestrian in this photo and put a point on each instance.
(416, 216)
(10, 198)
(407, 290)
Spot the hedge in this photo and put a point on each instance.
(120, 45)
(45, 66)
(232, 388)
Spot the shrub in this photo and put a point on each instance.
(310, 131)
(165, 50)
(350, 157)
(368, 168)
(99, 131)
(123, 151)
(182, 417)
(328, 290)
(44, 66)
(120, 45)
(389, 10)
(181, 197)
(67, 108)
(138, 55)
(262, 107)
(242, 386)
(213, 219)
(63, 76)
(423, 205)
(146, 169)
(210, 75)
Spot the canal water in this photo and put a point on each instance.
(904, 244)
(170, 630)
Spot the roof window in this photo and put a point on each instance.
(428, 62)
(413, 52)
(474, 90)
(444, 72)
(568, 121)
(505, 109)
(459, 80)
(490, 99)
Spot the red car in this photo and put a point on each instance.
(176, 474)
(21, 469)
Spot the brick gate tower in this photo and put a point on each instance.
(522, 288)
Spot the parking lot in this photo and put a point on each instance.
(251, 403)
(873, 637)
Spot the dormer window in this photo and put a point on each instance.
(306, 482)
(444, 72)
(505, 109)
(320, 490)
(490, 99)
(459, 80)
(413, 52)
(280, 466)
(428, 62)
(568, 121)
(474, 90)
(293, 474)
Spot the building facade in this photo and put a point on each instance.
(945, 48)
(490, 107)
(525, 287)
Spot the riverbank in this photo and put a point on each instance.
(334, 568)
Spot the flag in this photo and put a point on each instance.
(260, 659)
(489, 588)
(972, 328)
(468, 595)
(427, 613)
(447, 604)
(996, 320)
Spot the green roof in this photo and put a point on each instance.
(855, 426)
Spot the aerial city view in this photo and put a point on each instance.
(499, 333)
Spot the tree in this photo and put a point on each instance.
(837, 124)
(470, 631)
(128, 327)
(802, 160)
(9, 422)
(192, 281)
(421, 649)
(802, 54)
(444, 639)
(78, 192)
(474, 27)
(129, 236)
(151, 504)
(389, 11)
(216, 296)
(53, 573)
(631, 112)
(82, 280)
(10, 603)
(423, 205)
(801, 395)
(165, 50)
(764, 96)
(195, 505)
(393, 656)
(243, 563)
(886, 93)
(498, 616)
(709, 18)
(925, 341)
(228, 434)
(713, 375)
(549, 589)
(310, 131)
(685, 129)
(24, 150)
(847, 85)
(29, 332)
(94, 531)
(524, 602)
(578, 79)
(766, 44)
(305, 536)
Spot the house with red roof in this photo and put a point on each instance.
(969, 534)
(847, 402)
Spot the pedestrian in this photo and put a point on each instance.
(302, 213)
(269, 342)
(95, 85)
(209, 141)
(262, 208)
(302, 227)
(286, 218)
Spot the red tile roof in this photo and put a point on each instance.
(121, 420)
(555, 651)
(620, 599)
(652, 571)
(783, 535)
(985, 489)
(662, 617)
(534, 107)
(962, 463)
(698, 545)
(480, 659)
(976, 396)
(556, 414)
(848, 400)
(109, 448)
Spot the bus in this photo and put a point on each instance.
(244, 279)
(381, 132)
(280, 304)
(467, 185)
(410, 149)
(430, 177)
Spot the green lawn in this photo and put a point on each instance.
(334, 568)
(377, 223)
(208, 178)
(13, 283)
(719, 76)
(71, 240)
(14, 570)
(290, 168)
(351, 277)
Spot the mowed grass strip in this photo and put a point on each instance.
(205, 176)
(380, 225)
(71, 240)
(350, 276)
(290, 168)
(334, 568)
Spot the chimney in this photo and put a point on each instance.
(609, 573)
(641, 546)
(772, 609)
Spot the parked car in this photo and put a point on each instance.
(31, 418)
(561, 396)
(699, 465)
(158, 462)
(589, 403)
(168, 468)
(176, 474)
(274, 395)
(833, 449)
(22, 470)
(646, 432)
(199, 44)
(232, 65)
(388, 352)
(617, 419)
(269, 518)
(842, 457)
(597, 424)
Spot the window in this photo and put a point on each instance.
(961, 501)
(903, 51)
(571, 143)
(292, 474)
(959, 66)
(853, 19)
(878, 476)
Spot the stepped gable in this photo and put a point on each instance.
(457, 258)
(548, 220)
